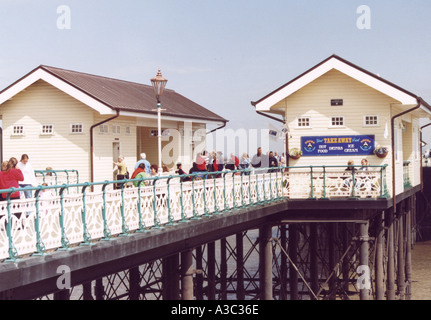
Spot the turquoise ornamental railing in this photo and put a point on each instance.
(55, 219)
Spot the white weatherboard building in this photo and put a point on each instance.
(337, 111)
(71, 120)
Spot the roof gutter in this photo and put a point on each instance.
(221, 127)
(419, 102)
(422, 174)
(92, 142)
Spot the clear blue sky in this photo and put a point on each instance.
(221, 54)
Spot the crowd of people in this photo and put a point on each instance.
(205, 162)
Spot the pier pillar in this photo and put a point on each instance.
(380, 284)
(240, 292)
(211, 260)
(171, 277)
(314, 275)
(283, 262)
(134, 283)
(187, 275)
(62, 295)
(409, 248)
(401, 261)
(86, 291)
(331, 260)
(223, 269)
(364, 261)
(199, 293)
(345, 263)
(265, 260)
(390, 291)
(293, 254)
(99, 289)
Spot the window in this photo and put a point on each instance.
(128, 131)
(18, 130)
(76, 128)
(47, 129)
(303, 122)
(371, 121)
(116, 129)
(337, 121)
(103, 128)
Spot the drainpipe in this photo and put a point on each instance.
(422, 174)
(92, 142)
(419, 101)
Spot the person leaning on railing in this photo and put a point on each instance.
(10, 178)
(350, 167)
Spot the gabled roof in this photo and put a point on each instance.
(335, 62)
(107, 95)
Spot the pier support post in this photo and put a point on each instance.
(314, 275)
(171, 277)
(99, 289)
(409, 249)
(199, 275)
(134, 283)
(211, 271)
(240, 293)
(364, 261)
(401, 261)
(390, 291)
(380, 284)
(331, 258)
(265, 259)
(283, 267)
(187, 275)
(293, 254)
(223, 269)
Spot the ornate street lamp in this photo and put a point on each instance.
(159, 84)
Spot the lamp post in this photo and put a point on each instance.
(159, 84)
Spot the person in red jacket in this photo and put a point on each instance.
(10, 178)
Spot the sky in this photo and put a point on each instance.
(221, 54)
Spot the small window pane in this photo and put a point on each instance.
(303, 122)
(337, 121)
(47, 129)
(18, 130)
(76, 128)
(371, 120)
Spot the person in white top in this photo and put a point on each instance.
(28, 173)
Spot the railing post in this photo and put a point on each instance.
(156, 219)
(86, 234)
(324, 182)
(168, 183)
(353, 183)
(216, 209)
(206, 211)
(13, 253)
(311, 183)
(233, 190)
(64, 240)
(106, 231)
(141, 224)
(195, 212)
(40, 247)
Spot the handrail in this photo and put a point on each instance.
(152, 203)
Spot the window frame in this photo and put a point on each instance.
(77, 124)
(298, 121)
(371, 125)
(18, 134)
(331, 120)
(46, 125)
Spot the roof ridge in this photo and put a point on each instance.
(46, 68)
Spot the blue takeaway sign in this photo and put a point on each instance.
(337, 145)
